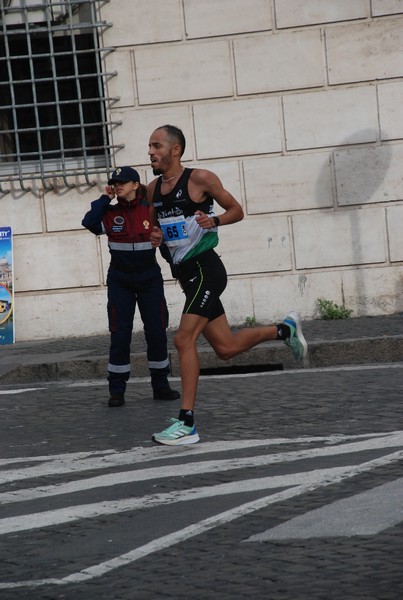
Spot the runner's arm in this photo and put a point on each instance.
(211, 185)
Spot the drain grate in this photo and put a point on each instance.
(239, 369)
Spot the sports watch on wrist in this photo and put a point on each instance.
(216, 221)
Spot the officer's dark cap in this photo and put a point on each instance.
(124, 174)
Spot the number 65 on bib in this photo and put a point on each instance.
(174, 230)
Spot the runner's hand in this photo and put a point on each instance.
(156, 237)
(204, 220)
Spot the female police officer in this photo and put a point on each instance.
(134, 277)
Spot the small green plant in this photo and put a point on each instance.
(250, 321)
(330, 310)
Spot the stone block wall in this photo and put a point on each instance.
(297, 105)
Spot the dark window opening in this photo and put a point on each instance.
(53, 106)
(64, 103)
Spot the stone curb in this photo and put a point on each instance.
(386, 349)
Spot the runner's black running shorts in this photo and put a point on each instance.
(203, 280)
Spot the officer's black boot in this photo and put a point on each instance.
(117, 388)
(160, 385)
(116, 400)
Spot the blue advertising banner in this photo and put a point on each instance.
(6, 286)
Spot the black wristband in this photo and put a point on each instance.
(216, 221)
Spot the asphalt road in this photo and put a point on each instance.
(294, 492)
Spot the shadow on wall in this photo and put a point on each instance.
(359, 171)
(55, 184)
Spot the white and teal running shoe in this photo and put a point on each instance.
(177, 434)
(296, 342)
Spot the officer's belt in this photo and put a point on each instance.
(146, 266)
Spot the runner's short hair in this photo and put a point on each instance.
(175, 135)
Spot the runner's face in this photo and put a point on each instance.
(160, 152)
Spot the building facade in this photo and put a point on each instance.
(297, 105)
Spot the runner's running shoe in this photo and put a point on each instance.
(296, 342)
(177, 434)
